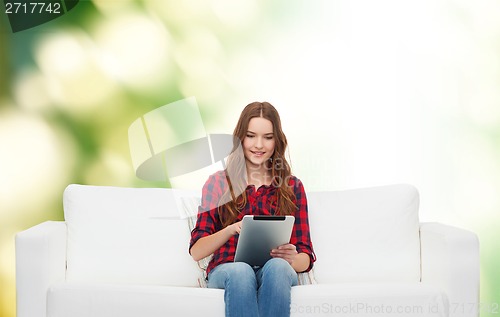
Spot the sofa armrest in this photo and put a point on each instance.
(450, 260)
(40, 261)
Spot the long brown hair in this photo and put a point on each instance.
(235, 199)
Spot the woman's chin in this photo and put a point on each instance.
(255, 163)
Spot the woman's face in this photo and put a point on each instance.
(258, 144)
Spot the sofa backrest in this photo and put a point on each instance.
(127, 235)
(141, 235)
(366, 235)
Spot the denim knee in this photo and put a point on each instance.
(241, 271)
(279, 267)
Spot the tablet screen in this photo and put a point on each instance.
(259, 235)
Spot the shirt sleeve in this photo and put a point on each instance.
(300, 235)
(208, 218)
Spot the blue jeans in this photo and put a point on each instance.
(255, 292)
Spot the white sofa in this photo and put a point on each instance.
(124, 252)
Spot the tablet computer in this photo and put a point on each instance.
(259, 235)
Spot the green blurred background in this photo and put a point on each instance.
(370, 93)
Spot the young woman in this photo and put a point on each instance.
(257, 181)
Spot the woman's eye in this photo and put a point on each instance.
(269, 137)
(249, 136)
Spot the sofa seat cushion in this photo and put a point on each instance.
(99, 300)
(374, 299)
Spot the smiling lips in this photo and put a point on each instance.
(258, 153)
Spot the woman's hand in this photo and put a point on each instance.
(287, 252)
(234, 228)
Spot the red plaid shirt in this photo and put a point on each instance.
(259, 202)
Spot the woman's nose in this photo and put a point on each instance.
(258, 143)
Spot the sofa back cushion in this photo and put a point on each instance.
(127, 235)
(366, 235)
(141, 235)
